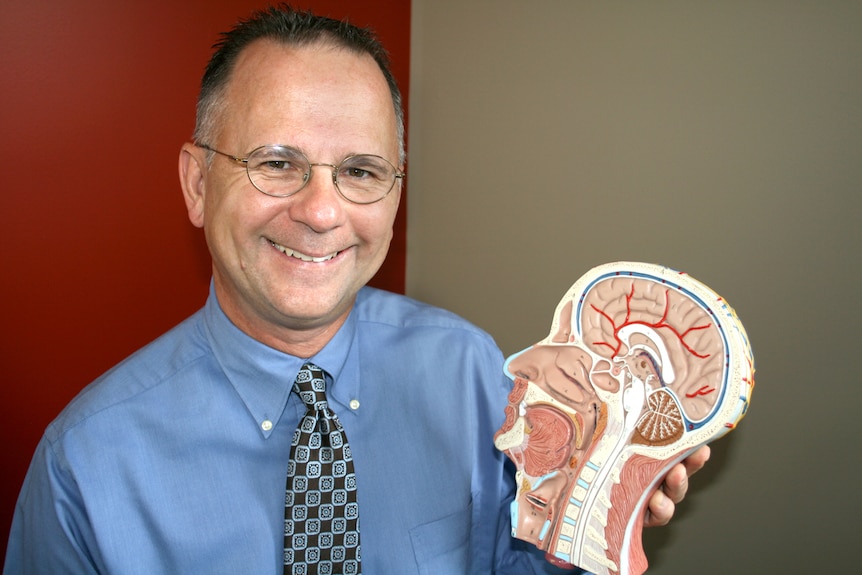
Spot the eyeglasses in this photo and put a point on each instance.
(281, 171)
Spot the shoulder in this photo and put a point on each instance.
(374, 306)
(145, 369)
(431, 354)
(424, 336)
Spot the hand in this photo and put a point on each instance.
(663, 502)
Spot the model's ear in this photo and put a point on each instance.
(192, 179)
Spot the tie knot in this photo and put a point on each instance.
(310, 385)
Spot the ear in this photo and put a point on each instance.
(193, 181)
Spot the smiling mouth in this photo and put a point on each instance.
(302, 256)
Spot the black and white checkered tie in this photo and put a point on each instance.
(321, 516)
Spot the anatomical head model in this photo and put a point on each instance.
(642, 366)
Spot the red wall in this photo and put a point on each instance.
(97, 256)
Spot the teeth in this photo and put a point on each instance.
(300, 255)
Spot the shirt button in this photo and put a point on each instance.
(266, 425)
(354, 404)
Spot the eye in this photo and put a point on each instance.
(277, 161)
(272, 165)
(357, 173)
(366, 169)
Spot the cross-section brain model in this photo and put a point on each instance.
(643, 365)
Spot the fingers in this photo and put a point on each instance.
(660, 510)
(675, 483)
(663, 502)
(695, 462)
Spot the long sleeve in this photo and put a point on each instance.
(50, 510)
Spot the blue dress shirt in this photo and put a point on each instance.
(175, 460)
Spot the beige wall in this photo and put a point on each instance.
(721, 138)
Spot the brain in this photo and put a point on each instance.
(624, 312)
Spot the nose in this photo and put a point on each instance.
(520, 366)
(318, 204)
(333, 169)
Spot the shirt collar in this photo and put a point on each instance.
(263, 376)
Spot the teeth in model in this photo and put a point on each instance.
(300, 255)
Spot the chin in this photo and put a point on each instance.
(315, 309)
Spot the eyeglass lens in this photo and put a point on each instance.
(283, 171)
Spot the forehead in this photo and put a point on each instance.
(279, 94)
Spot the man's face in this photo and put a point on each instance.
(329, 103)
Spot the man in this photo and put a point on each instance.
(175, 461)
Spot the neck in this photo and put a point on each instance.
(297, 337)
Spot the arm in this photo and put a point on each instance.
(50, 532)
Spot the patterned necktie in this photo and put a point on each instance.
(321, 516)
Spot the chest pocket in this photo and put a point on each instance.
(443, 546)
